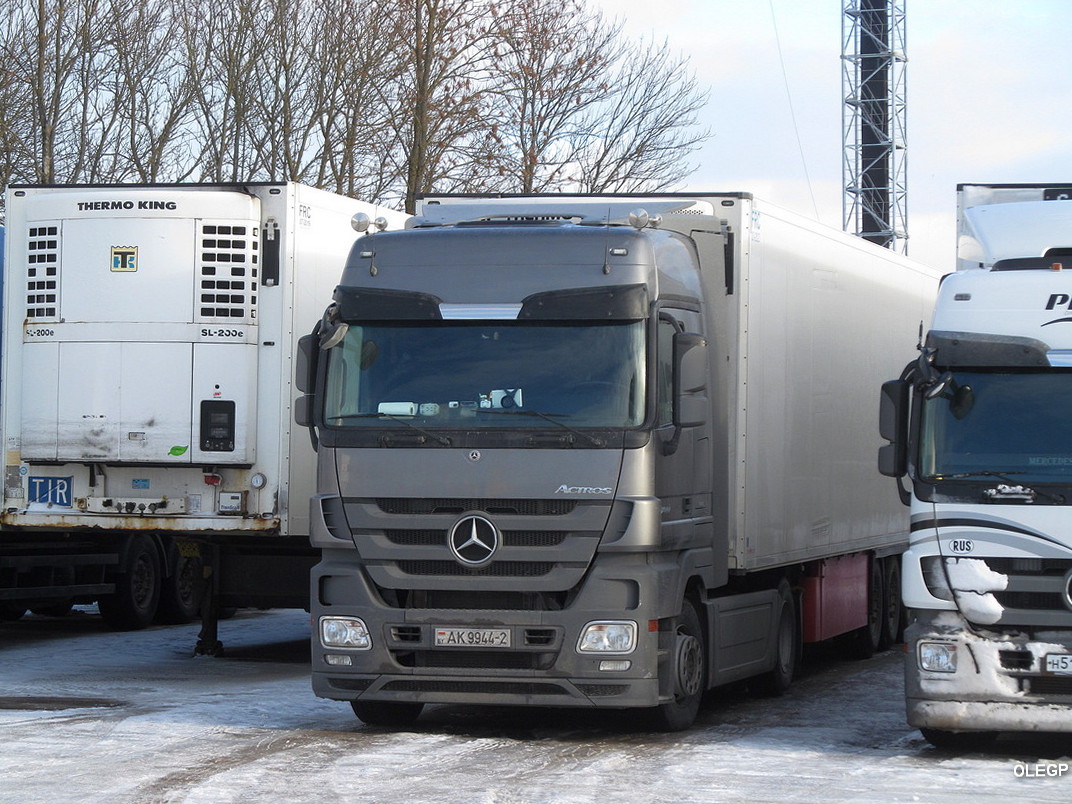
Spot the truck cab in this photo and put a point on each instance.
(977, 426)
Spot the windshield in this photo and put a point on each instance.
(486, 375)
(1014, 424)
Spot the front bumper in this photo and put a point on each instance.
(999, 682)
(542, 668)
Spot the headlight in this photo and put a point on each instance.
(937, 657)
(610, 636)
(344, 632)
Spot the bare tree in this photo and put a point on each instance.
(383, 101)
(153, 89)
(362, 55)
(224, 36)
(551, 67)
(440, 136)
(639, 138)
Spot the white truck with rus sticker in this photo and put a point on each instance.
(978, 425)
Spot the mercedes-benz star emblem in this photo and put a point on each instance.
(473, 540)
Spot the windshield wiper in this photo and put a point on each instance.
(1014, 491)
(551, 417)
(1006, 476)
(441, 439)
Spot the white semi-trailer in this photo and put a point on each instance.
(978, 425)
(148, 348)
(600, 452)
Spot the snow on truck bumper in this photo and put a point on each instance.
(957, 680)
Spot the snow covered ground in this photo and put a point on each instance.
(88, 716)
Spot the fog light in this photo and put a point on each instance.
(344, 632)
(615, 665)
(938, 657)
(611, 636)
(338, 659)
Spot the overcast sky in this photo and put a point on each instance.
(988, 91)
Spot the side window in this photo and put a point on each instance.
(664, 372)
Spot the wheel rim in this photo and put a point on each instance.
(689, 665)
(142, 581)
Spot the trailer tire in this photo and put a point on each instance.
(893, 623)
(690, 674)
(959, 740)
(776, 681)
(137, 587)
(391, 714)
(181, 591)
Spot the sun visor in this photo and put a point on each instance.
(366, 304)
(620, 302)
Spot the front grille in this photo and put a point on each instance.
(475, 660)
(418, 505)
(540, 637)
(1017, 659)
(476, 687)
(511, 538)
(497, 569)
(406, 633)
(603, 690)
(469, 600)
(1035, 592)
(1051, 685)
(1035, 601)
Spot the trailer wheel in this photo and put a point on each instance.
(959, 740)
(786, 647)
(387, 713)
(893, 621)
(137, 587)
(180, 593)
(690, 672)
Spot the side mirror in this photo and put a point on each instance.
(305, 367)
(893, 426)
(691, 405)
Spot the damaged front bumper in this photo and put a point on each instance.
(957, 679)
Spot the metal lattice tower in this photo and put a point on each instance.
(874, 205)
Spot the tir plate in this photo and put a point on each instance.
(475, 638)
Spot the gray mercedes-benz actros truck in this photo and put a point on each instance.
(600, 452)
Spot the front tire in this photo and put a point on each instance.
(690, 674)
(776, 681)
(893, 607)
